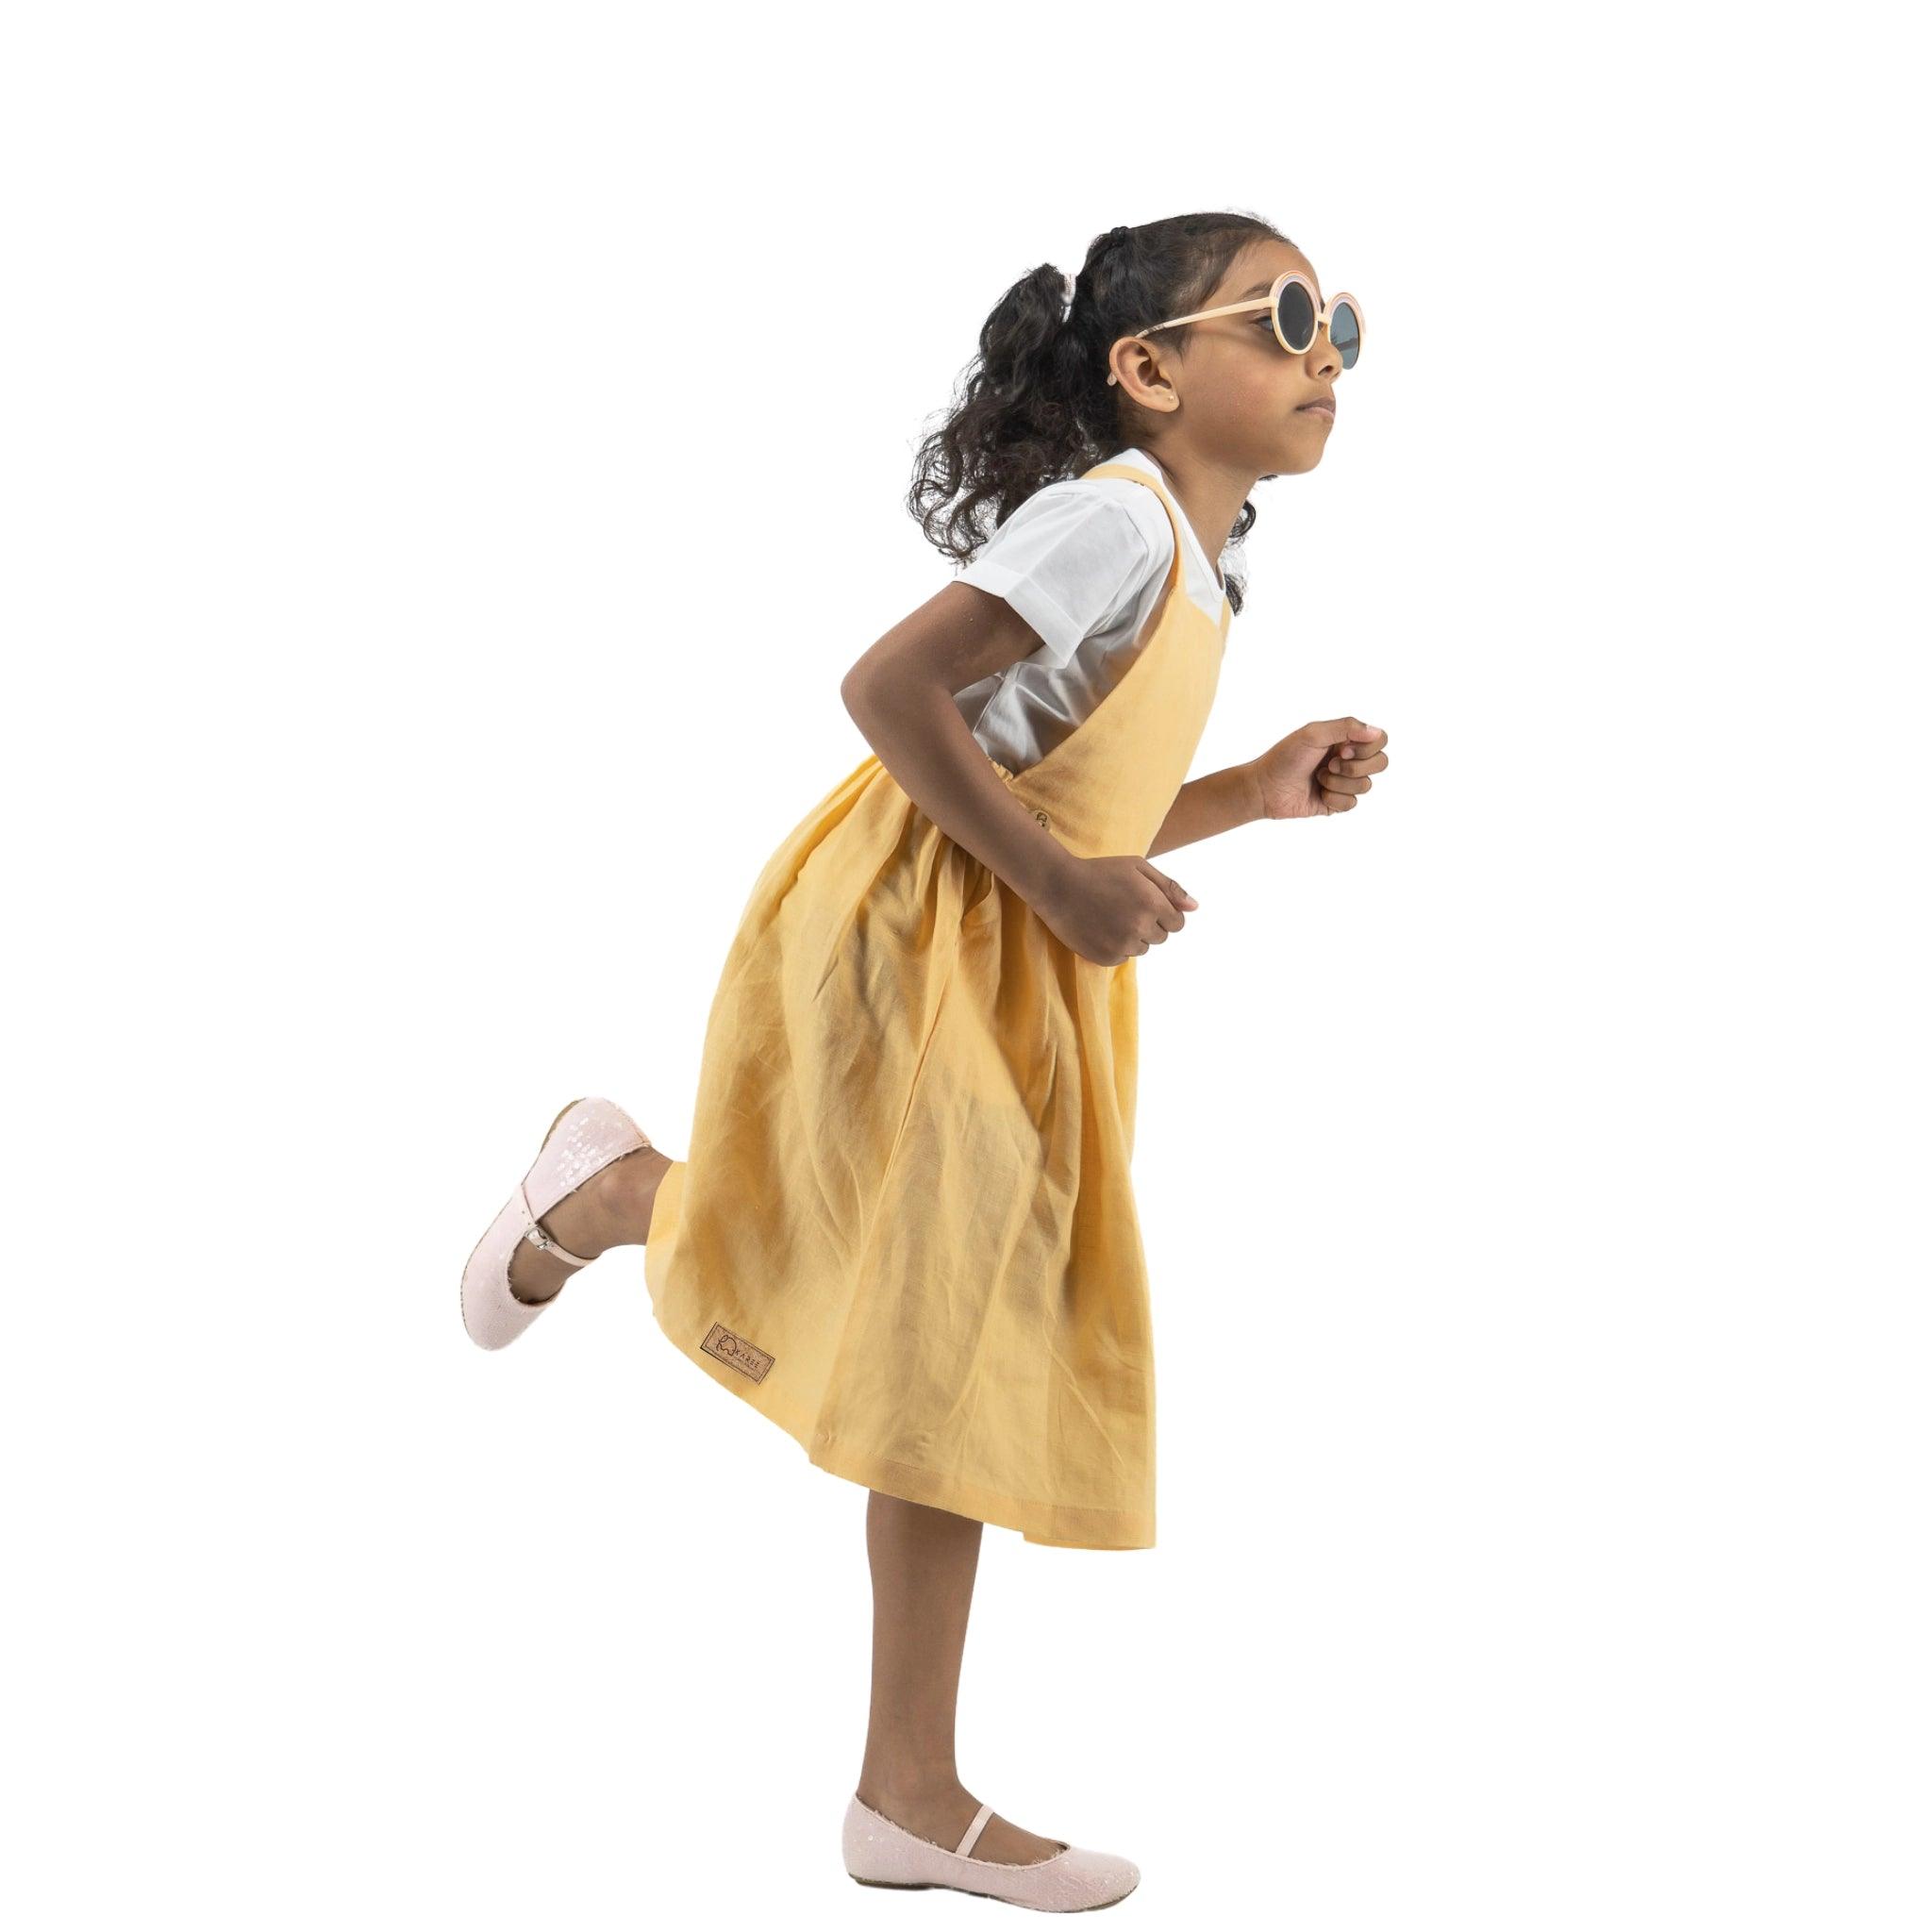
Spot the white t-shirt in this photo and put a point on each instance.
(1083, 561)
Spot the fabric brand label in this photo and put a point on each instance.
(736, 1350)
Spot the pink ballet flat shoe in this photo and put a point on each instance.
(878, 1852)
(582, 1141)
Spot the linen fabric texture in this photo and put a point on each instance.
(905, 1224)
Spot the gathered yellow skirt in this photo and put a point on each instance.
(904, 1229)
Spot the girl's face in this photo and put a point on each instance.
(1246, 398)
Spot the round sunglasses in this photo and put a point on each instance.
(1296, 315)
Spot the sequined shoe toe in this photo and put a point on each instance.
(582, 1141)
(879, 1852)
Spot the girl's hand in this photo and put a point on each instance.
(1110, 910)
(1319, 769)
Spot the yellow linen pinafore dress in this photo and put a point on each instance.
(906, 1230)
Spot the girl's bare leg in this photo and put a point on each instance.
(924, 1561)
(922, 1565)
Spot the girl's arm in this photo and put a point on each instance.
(900, 696)
(1204, 806)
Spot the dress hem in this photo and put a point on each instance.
(1035, 1521)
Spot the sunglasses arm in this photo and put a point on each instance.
(1203, 314)
(1232, 308)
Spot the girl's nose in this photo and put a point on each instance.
(1324, 358)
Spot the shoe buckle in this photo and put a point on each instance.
(537, 1235)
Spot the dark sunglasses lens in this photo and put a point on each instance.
(1345, 332)
(1294, 315)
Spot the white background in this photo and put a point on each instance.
(451, 455)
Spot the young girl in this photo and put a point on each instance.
(905, 1230)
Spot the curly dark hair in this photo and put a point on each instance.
(1035, 407)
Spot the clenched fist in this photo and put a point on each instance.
(1110, 910)
(1322, 768)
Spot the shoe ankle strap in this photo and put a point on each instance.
(539, 1237)
(973, 1831)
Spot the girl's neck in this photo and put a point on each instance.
(1210, 500)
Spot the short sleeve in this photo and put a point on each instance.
(1070, 559)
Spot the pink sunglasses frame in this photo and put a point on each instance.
(1269, 302)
